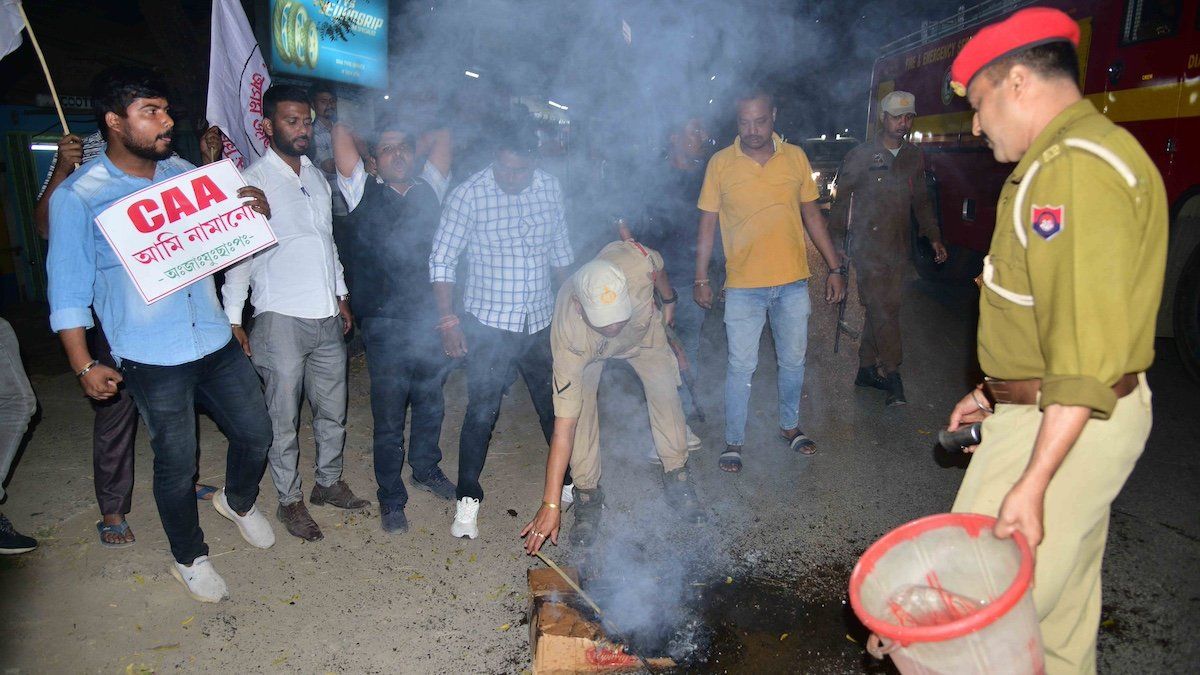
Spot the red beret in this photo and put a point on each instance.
(1027, 28)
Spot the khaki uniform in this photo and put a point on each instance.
(1070, 292)
(580, 353)
(885, 189)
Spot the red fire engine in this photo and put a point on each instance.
(1139, 64)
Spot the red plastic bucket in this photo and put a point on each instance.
(943, 595)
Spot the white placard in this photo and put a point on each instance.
(181, 230)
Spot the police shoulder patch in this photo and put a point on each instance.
(1048, 221)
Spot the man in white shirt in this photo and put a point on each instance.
(301, 312)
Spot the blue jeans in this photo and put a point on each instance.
(407, 368)
(225, 385)
(746, 309)
(689, 318)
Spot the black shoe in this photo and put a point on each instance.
(677, 485)
(295, 518)
(895, 390)
(589, 505)
(437, 483)
(13, 542)
(869, 377)
(392, 519)
(338, 494)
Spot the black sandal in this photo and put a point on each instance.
(121, 529)
(800, 443)
(730, 461)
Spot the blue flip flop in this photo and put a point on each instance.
(205, 492)
(120, 529)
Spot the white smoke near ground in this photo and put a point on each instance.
(625, 73)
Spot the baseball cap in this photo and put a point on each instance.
(603, 293)
(899, 103)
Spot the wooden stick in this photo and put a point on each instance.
(575, 586)
(45, 69)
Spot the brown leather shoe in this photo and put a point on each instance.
(295, 518)
(338, 494)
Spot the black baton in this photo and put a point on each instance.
(964, 437)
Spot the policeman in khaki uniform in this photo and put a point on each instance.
(885, 180)
(1066, 317)
(606, 310)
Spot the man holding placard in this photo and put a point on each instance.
(301, 312)
(173, 351)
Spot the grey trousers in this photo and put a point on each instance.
(294, 357)
(17, 402)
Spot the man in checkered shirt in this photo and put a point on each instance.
(508, 218)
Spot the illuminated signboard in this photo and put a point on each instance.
(337, 40)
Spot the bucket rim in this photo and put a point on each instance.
(974, 524)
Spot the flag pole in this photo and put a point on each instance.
(45, 69)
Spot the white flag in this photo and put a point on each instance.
(11, 26)
(237, 78)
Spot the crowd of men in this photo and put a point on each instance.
(375, 231)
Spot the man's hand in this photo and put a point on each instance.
(703, 295)
(242, 338)
(1021, 511)
(939, 252)
(835, 288)
(454, 343)
(211, 145)
(258, 199)
(668, 311)
(347, 316)
(70, 155)
(967, 412)
(100, 383)
(543, 526)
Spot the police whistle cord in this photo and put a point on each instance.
(965, 437)
(611, 628)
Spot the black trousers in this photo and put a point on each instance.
(494, 357)
(113, 434)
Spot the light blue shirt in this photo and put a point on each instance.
(84, 272)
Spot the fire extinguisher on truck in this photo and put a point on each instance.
(1139, 64)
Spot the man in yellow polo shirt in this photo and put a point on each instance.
(762, 190)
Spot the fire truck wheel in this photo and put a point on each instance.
(1187, 315)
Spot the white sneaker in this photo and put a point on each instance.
(201, 580)
(254, 526)
(466, 519)
(694, 444)
(567, 498)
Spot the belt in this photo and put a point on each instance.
(1025, 392)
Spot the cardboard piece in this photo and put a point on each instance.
(564, 639)
(184, 229)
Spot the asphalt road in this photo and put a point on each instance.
(360, 601)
